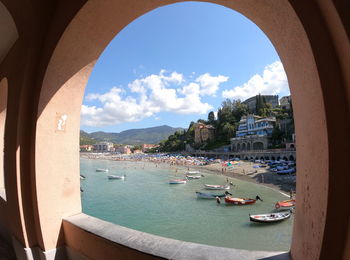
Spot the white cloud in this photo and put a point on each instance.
(152, 94)
(272, 82)
(209, 84)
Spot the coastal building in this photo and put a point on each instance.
(203, 133)
(285, 102)
(249, 143)
(124, 149)
(255, 125)
(290, 146)
(251, 102)
(103, 147)
(146, 147)
(86, 148)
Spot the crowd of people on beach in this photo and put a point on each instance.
(256, 170)
(172, 159)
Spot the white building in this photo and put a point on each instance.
(103, 147)
(255, 125)
(285, 102)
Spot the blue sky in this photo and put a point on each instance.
(177, 63)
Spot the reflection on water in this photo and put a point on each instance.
(145, 201)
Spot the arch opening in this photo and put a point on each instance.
(293, 71)
(258, 146)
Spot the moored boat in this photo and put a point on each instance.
(82, 177)
(116, 177)
(285, 204)
(216, 187)
(177, 181)
(239, 201)
(203, 195)
(102, 170)
(192, 173)
(270, 217)
(193, 176)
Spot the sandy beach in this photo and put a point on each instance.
(242, 170)
(245, 171)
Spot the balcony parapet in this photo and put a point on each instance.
(116, 236)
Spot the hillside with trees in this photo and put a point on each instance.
(226, 124)
(151, 135)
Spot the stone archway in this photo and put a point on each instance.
(243, 146)
(258, 146)
(248, 146)
(88, 32)
(291, 158)
(233, 148)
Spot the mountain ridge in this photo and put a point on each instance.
(150, 135)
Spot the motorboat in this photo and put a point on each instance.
(203, 195)
(116, 177)
(216, 187)
(192, 173)
(177, 181)
(285, 204)
(82, 177)
(270, 217)
(193, 176)
(239, 201)
(101, 170)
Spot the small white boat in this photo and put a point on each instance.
(193, 176)
(192, 173)
(216, 187)
(82, 177)
(177, 181)
(270, 217)
(116, 177)
(102, 170)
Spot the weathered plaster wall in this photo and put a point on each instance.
(47, 69)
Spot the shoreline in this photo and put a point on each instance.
(243, 170)
(282, 183)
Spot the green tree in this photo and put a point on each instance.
(211, 118)
(225, 113)
(202, 121)
(239, 110)
(228, 130)
(261, 107)
(276, 137)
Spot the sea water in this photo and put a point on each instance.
(145, 201)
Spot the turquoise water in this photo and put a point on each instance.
(145, 201)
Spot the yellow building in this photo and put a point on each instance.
(203, 133)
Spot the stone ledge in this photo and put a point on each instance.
(165, 247)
